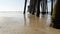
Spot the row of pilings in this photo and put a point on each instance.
(55, 12)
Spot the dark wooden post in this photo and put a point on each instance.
(56, 15)
(51, 6)
(44, 7)
(25, 6)
(32, 6)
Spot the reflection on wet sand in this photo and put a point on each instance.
(26, 24)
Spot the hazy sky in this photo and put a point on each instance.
(13, 5)
(10, 5)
